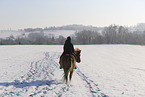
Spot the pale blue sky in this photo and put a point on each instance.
(19, 14)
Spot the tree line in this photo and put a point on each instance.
(109, 35)
(66, 27)
(33, 39)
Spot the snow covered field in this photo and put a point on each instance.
(7, 33)
(64, 33)
(105, 70)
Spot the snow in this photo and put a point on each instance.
(105, 70)
(64, 33)
(6, 33)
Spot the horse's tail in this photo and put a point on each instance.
(67, 69)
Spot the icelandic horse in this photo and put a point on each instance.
(68, 63)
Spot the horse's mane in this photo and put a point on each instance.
(77, 50)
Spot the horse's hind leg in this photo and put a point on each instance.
(66, 75)
(70, 76)
(66, 78)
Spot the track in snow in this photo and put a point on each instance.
(44, 79)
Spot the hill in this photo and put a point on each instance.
(66, 27)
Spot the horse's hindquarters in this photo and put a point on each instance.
(68, 62)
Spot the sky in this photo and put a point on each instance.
(20, 14)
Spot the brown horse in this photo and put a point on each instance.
(68, 63)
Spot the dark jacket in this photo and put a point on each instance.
(68, 47)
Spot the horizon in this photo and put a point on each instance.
(23, 14)
(69, 25)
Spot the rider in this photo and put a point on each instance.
(68, 48)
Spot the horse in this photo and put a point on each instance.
(68, 63)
